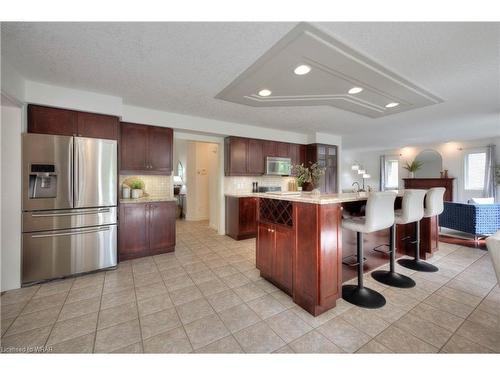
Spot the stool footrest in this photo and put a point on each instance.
(352, 264)
(379, 250)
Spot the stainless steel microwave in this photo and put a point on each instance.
(278, 166)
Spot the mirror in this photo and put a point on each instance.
(432, 164)
(180, 171)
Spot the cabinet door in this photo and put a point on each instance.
(283, 257)
(47, 120)
(248, 216)
(133, 230)
(270, 148)
(160, 149)
(265, 249)
(97, 126)
(237, 156)
(283, 150)
(255, 158)
(133, 147)
(162, 226)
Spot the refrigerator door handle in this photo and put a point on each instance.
(72, 213)
(70, 233)
(79, 165)
(70, 172)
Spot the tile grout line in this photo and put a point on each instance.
(99, 311)
(59, 314)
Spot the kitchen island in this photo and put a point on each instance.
(299, 244)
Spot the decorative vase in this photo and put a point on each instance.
(299, 188)
(307, 186)
(441, 174)
(446, 173)
(315, 191)
(412, 174)
(136, 193)
(125, 192)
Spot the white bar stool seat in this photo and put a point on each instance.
(493, 245)
(433, 206)
(412, 210)
(379, 214)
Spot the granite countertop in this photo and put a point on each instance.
(306, 197)
(148, 199)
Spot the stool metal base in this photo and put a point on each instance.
(393, 279)
(362, 296)
(417, 265)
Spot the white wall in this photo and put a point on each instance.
(202, 177)
(10, 185)
(451, 152)
(13, 85)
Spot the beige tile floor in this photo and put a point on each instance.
(208, 298)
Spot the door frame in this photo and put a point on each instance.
(220, 202)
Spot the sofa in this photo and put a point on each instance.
(476, 219)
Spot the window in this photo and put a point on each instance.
(475, 166)
(391, 174)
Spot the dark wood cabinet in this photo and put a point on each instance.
(269, 148)
(57, 121)
(241, 217)
(265, 250)
(146, 229)
(247, 156)
(236, 155)
(160, 147)
(274, 256)
(255, 158)
(283, 150)
(48, 120)
(133, 230)
(283, 257)
(145, 149)
(428, 183)
(326, 157)
(162, 226)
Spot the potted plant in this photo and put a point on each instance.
(308, 177)
(136, 186)
(413, 167)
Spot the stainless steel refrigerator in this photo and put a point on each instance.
(69, 206)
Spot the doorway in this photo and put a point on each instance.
(197, 181)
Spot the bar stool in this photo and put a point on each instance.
(412, 210)
(379, 214)
(433, 207)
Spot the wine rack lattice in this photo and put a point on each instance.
(276, 211)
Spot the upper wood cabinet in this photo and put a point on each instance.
(247, 156)
(145, 149)
(255, 158)
(48, 120)
(326, 157)
(236, 154)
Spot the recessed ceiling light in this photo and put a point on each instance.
(265, 92)
(391, 105)
(302, 69)
(355, 90)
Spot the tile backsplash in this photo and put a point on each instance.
(155, 186)
(237, 185)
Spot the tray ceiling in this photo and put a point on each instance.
(335, 69)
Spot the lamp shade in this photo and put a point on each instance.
(355, 167)
(177, 180)
(361, 171)
(366, 175)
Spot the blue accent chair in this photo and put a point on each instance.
(476, 219)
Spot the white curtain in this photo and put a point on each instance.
(382, 172)
(490, 185)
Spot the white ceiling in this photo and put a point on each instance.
(180, 67)
(335, 68)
